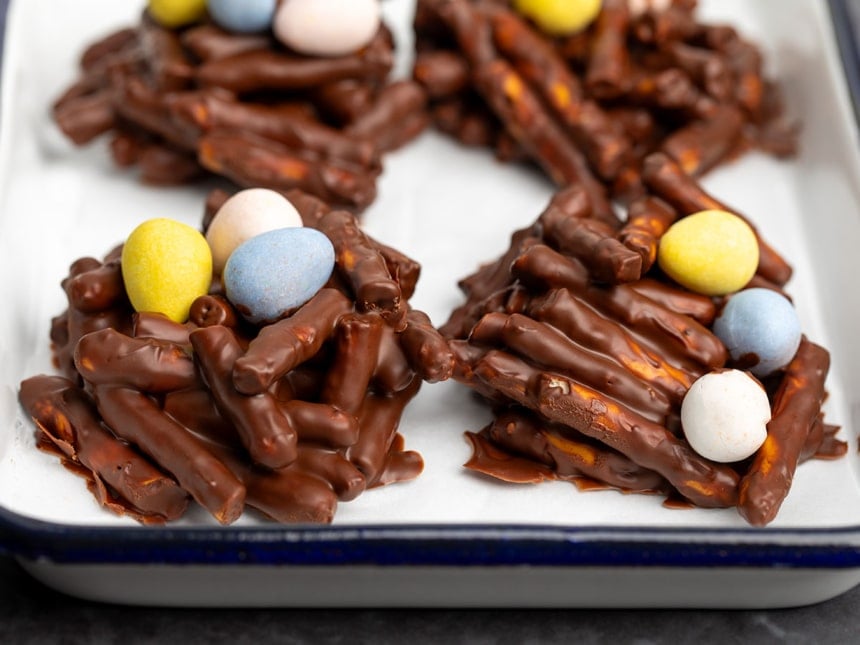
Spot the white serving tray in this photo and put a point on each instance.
(451, 537)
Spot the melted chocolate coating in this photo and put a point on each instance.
(796, 408)
(289, 342)
(137, 418)
(264, 429)
(123, 478)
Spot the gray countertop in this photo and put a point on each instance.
(31, 613)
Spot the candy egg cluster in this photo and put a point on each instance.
(311, 27)
(268, 262)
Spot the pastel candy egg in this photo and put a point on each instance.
(559, 17)
(277, 271)
(166, 265)
(245, 215)
(761, 330)
(711, 252)
(176, 13)
(243, 16)
(326, 27)
(724, 415)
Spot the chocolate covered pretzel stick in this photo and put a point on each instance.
(396, 116)
(357, 340)
(796, 407)
(210, 111)
(266, 69)
(703, 144)
(534, 58)
(265, 431)
(379, 419)
(67, 416)
(425, 348)
(96, 289)
(519, 109)
(281, 346)
(669, 331)
(648, 444)
(209, 42)
(593, 242)
(107, 357)
(570, 456)
(544, 345)
(254, 161)
(441, 73)
(608, 65)
(363, 267)
(167, 62)
(136, 418)
(648, 218)
(581, 323)
(669, 182)
(285, 495)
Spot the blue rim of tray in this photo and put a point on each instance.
(431, 545)
(453, 545)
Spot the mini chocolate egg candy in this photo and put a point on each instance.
(639, 7)
(166, 265)
(761, 330)
(711, 252)
(176, 13)
(243, 16)
(275, 272)
(245, 215)
(559, 17)
(724, 415)
(326, 27)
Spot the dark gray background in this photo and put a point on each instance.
(30, 613)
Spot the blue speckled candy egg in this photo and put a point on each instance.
(761, 330)
(277, 271)
(243, 16)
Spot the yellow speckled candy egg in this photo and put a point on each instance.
(166, 265)
(559, 17)
(176, 13)
(711, 252)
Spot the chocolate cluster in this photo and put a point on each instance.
(288, 418)
(182, 103)
(590, 107)
(586, 351)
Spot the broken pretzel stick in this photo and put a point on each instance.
(67, 416)
(796, 407)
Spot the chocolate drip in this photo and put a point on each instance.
(122, 478)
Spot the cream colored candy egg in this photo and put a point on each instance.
(711, 252)
(559, 17)
(326, 27)
(176, 13)
(166, 265)
(247, 214)
(724, 416)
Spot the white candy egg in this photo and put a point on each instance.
(247, 214)
(724, 415)
(326, 27)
